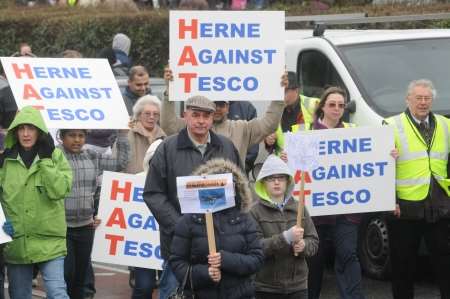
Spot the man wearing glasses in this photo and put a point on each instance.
(422, 191)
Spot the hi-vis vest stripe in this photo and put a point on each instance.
(307, 106)
(417, 161)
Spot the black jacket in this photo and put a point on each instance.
(236, 240)
(177, 156)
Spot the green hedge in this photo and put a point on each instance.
(52, 30)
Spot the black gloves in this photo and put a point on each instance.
(46, 146)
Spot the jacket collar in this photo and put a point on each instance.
(184, 142)
(13, 154)
(431, 120)
(291, 204)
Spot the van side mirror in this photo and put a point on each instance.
(350, 107)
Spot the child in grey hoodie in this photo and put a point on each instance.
(285, 245)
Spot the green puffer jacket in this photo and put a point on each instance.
(33, 199)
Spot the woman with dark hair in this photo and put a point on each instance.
(342, 230)
(80, 209)
(35, 177)
(227, 273)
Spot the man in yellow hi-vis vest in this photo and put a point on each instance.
(298, 111)
(422, 191)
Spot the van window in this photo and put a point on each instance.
(316, 73)
(383, 70)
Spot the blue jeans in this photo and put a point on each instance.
(21, 275)
(168, 282)
(344, 236)
(144, 283)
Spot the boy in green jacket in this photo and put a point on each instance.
(286, 245)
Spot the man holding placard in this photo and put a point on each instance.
(243, 133)
(298, 112)
(422, 187)
(179, 155)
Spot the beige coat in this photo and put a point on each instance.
(243, 133)
(140, 139)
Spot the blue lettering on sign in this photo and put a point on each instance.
(229, 30)
(77, 114)
(236, 56)
(354, 145)
(348, 171)
(136, 221)
(233, 84)
(61, 72)
(138, 194)
(158, 252)
(346, 197)
(130, 248)
(146, 250)
(133, 248)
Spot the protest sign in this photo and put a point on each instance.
(203, 194)
(227, 55)
(70, 93)
(128, 234)
(352, 171)
(3, 236)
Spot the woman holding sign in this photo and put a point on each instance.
(226, 273)
(144, 132)
(341, 229)
(285, 245)
(35, 177)
(87, 165)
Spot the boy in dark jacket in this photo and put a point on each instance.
(284, 275)
(226, 274)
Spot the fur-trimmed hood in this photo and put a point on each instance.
(220, 165)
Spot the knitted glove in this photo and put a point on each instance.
(46, 146)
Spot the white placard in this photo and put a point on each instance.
(71, 93)
(304, 149)
(227, 55)
(3, 236)
(128, 234)
(355, 171)
(203, 194)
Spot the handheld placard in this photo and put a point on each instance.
(210, 233)
(301, 201)
(206, 194)
(302, 151)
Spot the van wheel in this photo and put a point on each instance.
(374, 247)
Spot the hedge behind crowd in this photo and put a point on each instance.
(52, 30)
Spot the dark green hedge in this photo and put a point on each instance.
(52, 30)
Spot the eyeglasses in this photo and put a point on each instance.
(150, 114)
(333, 105)
(274, 178)
(423, 98)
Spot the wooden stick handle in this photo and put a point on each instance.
(210, 233)
(301, 201)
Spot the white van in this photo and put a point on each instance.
(374, 67)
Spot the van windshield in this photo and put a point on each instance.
(383, 71)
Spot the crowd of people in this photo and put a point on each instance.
(171, 4)
(50, 193)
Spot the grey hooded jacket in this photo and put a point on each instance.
(283, 272)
